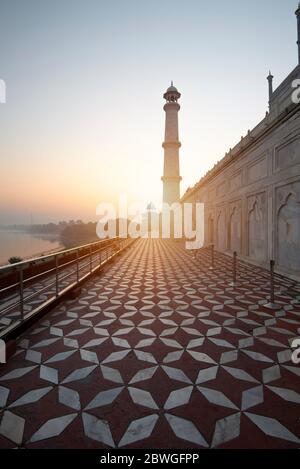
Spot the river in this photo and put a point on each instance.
(25, 245)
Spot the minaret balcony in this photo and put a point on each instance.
(166, 145)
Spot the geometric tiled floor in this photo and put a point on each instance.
(43, 288)
(158, 352)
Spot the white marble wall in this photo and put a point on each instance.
(252, 198)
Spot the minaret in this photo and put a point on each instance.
(171, 178)
(270, 80)
(297, 13)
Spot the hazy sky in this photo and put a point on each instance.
(85, 78)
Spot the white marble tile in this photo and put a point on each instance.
(226, 430)
(4, 393)
(222, 343)
(228, 357)
(171, 343)
(89, 356)
(208, 374)
(192, 331)
(186, 430)
(176, 374)
(116, 356)
(201, 357)
(31, 396)
(240, 374)
(293, 369)
(53, 427)
(77, 332)
(216, 397)
(79, 374)
(252, 397)
(33, 356)
(17, 373)
(104, 398)
(178, 398)
(284, 356)
(101, 331)
(94, 343)
(272, 427)
(139, 430)
(145, 331)
(72, 343)
(195, 343)
(45, 343)
(69, 397)
(111, 374)
(120, 342)
(143, 375)
(58, 357)
(12, 427)
(124, 331)
(143, 398)
(271, 374)
(145, 343)
(286, 394)
(173, 356)
(145, 356)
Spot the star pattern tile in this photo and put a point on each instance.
(158, 341)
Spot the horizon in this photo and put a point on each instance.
(84, 110)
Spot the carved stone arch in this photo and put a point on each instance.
(211, 229)
(221, 230)
(257, 231)
(235, 228)
(288, 233)
(287, 195)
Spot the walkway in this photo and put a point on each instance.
(158, 352)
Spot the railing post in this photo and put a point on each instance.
(233, 283)
(91, 259)
(272, 304)
(21, 279)
(56, 275)
(77, 265)
(212, 257)
(272, 293)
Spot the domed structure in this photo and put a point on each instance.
(172, 94)
(171, 175)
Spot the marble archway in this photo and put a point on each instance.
(211, 235)
(257, 232)
(221, 231)
(288, 231)
(235, 230)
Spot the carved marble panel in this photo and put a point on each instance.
(221, 230)
(235, 229)
(257, 170)
(257, 227)
(287, 155)
(288, 226)
(236, 181)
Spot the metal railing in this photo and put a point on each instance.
(36, 283)
(229, 262)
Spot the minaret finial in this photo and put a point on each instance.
(270, 80)
(298, 28)
(172, 83)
